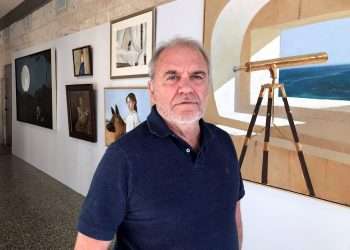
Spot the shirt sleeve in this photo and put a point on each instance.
(105, 204)
(241, 191)
(241, 188)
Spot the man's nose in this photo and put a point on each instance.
(185, 85)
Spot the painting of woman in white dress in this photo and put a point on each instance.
(129, 106)
(132, 40)
(131, 46)
(132, 119)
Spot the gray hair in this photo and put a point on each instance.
(184, 42)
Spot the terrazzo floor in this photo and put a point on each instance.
(36, 211)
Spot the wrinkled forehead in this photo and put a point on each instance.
(182, 56)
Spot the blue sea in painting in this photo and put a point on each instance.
(324, 82)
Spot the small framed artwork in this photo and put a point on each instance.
(81, 107)
(36, 88)
(132, 42)
(125, 109)
(82, 61)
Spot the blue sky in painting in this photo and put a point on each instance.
(330, 36)
(117, 96)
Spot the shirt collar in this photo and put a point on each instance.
(156, 124)
(158, 127)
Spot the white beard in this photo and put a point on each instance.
(181, 119)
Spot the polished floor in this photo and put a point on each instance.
(36, 211)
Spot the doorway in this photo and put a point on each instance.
(8, 106)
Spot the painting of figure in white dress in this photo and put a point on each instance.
(132, 41)
(125, 109)
(131, 46)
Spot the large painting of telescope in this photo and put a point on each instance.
(318, 94)
(331, 81)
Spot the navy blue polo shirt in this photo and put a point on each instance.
(156, 193)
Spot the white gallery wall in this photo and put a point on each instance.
(73, 161)
(273, 219)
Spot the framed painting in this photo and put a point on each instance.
(125, 109)
(36, 88)
(82, 61)
(81, 109)
(317, 92)
(132, 42)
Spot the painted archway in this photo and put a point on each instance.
(226, 19)
(324, 133)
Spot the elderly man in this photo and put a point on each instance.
(173, 182)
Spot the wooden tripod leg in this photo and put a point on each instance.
(251, 126)
(265, 163)
(297, 143)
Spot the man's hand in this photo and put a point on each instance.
(239, 224)
(86, 243)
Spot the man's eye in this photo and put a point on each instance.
(197, 77)
(171, 77)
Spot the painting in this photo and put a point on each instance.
(125, 109)
(319, 93)
(36, 89)
(132, 42)
(330, 81)
(81, 109)
(82, 61)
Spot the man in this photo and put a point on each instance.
(173, 182)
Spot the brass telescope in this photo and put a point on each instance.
(283, 62)
(272, 66)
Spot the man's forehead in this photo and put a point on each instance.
(182, 57)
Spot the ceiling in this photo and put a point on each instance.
(7, 5)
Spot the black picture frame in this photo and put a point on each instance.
(36, 88)
(81, 110)
(82, 61)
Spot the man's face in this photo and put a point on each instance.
(180, 85)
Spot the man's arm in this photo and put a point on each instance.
(86, 243)
(238, 218)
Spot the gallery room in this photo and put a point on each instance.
(79, 79)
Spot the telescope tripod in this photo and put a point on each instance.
(271, 87)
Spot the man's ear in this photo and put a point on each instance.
(150, 86)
